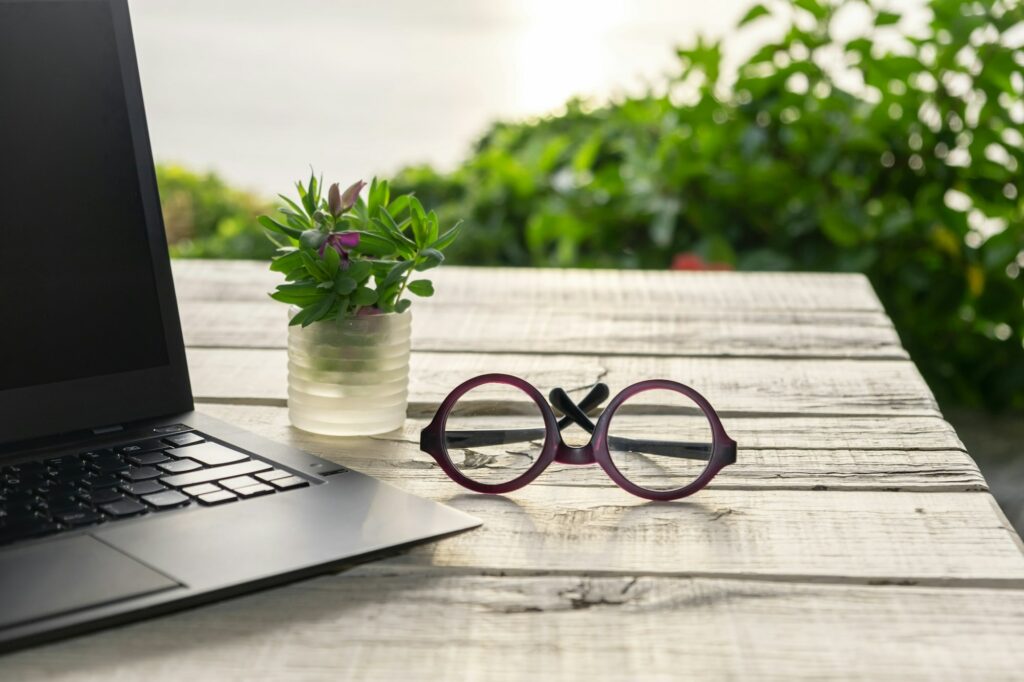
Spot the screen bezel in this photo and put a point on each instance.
(101, 401)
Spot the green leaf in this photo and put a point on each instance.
(887, 18)
(312, 239)
(359, 270)
(391, 228)
(310, 200)
(374, 245)
(364, 296)
(432, 228)
(343, 284)
(342, 307)
(314, 267)
(298, 295)
(306, 198)
(286, 262)
(402, 305)
(300, 317)
(429, 258)
(378, 196)
(446, 239)
(316, 311)
(396, 273)
(812, 6)
(274, 226)
(333, 262)
(755, 12)
(294, 206)
(420, 227)
(399, 204)
(422, 287)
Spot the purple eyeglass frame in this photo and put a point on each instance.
(432, 438)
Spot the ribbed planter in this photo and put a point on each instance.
(349, 377)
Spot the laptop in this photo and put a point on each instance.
(117, 499)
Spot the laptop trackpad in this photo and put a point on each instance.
(51, 578)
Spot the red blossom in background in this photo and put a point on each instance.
(692, 261)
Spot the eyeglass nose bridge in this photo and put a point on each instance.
(570, 455)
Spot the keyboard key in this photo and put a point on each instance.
(64, 461)
(238, 482)
(79, 517)
(25, 467)
(21, 516)
(218, 497)
(68, 475)
(142, 487)
(180, 466)
(97, 454)
(100, 456)
(18, 499)
(254, 490)
(96, 481)
(148, 458)
(272, 475)
(141, 446)
(183, 439)
(141, 473)
(201, 489)
(109, 466)
(124, 507)
(289, 483)
(57, 489)
(102, 496)
(210, 454)
(62, 506)
(167, 499)
(215, 474)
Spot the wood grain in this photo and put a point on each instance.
(733, 385)
(857, 537)
(853, 539)
(465, 627)
(603, 330)
(787, 453)
(199, 280)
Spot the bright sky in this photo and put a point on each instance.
(260, 89)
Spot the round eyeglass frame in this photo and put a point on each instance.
(432, 439)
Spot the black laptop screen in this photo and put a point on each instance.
(78, 295)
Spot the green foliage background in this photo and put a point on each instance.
(901, 160)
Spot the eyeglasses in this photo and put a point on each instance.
(657, 439)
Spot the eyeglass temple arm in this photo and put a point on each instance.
(577, 414)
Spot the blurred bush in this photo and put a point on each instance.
(892, 153)
(896, 153)
(205, 218)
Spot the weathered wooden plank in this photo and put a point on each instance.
(796, 454)
(858, 537)
(554, 288)
(733, 385)
(623, 331)
(433, 627)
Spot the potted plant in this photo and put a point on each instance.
(349, 267)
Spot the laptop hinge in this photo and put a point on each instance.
(107, 429)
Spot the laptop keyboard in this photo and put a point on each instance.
(48, 496)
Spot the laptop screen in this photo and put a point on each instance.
(78, 295)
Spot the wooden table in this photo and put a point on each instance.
(855, 537)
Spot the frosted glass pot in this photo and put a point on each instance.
(349, 377)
